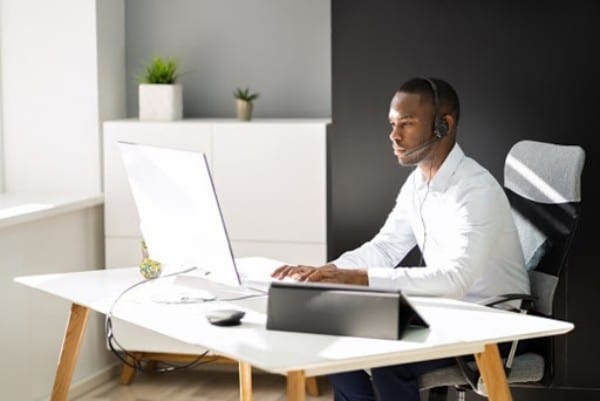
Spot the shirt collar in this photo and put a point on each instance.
(441, 179)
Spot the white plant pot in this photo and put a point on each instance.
(160, 102)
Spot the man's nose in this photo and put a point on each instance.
(395, 135)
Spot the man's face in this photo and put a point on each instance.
(411, 120)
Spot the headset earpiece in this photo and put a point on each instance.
(441, 128)
(440, 125)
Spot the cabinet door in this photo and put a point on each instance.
(270, 179)
(121, 218)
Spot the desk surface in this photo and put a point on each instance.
(457, 328)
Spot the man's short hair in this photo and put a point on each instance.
(446, 93)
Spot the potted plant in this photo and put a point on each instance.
(244, 103)
(160, 98)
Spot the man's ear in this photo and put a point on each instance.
(450, 121)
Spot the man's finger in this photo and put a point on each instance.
(277, 271)
(283, 271)
(299, 272)
(314, 276)
(306, 271)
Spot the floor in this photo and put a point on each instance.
(196, 385)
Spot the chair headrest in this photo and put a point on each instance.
(545, 172)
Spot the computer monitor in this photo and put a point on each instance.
(180, 217)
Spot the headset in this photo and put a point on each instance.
(440, 126)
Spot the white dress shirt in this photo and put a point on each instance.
(462, 223)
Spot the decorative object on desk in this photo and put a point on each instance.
(160, 98)
(149, 268)
(244, 101)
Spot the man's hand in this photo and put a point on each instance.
(299, 272)
(328, 273)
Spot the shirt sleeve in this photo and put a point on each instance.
(476, 228)
(394, 240)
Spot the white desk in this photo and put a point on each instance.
(457, 328)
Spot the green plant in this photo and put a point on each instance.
(244, 94)
(160, 71)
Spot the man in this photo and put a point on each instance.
(452, 208)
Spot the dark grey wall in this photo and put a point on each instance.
(278, 48)
(523, 70)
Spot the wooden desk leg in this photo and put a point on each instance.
(69, 352)
(245, 370)
(296, 383)
(128, 372)
(492, 372)
(312, 387)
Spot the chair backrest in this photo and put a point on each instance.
(543, 184)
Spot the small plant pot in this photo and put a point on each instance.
(244, 110)
(160, 102)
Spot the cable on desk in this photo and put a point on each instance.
(135, 363)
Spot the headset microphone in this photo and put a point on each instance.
(422, 146)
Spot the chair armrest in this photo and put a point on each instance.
(526, 305)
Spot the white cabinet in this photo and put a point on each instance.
(270, 177)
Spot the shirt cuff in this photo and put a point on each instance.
(384, 278)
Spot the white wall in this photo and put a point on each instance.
(33, 322)
(62, 73)
(280, 48)
(51, 91)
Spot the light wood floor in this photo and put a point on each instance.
(197, 385)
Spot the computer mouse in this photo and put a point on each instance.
(225, 317)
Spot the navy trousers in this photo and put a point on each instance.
(390, 383)
(397, 382)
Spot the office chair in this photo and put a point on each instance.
(542, 182)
